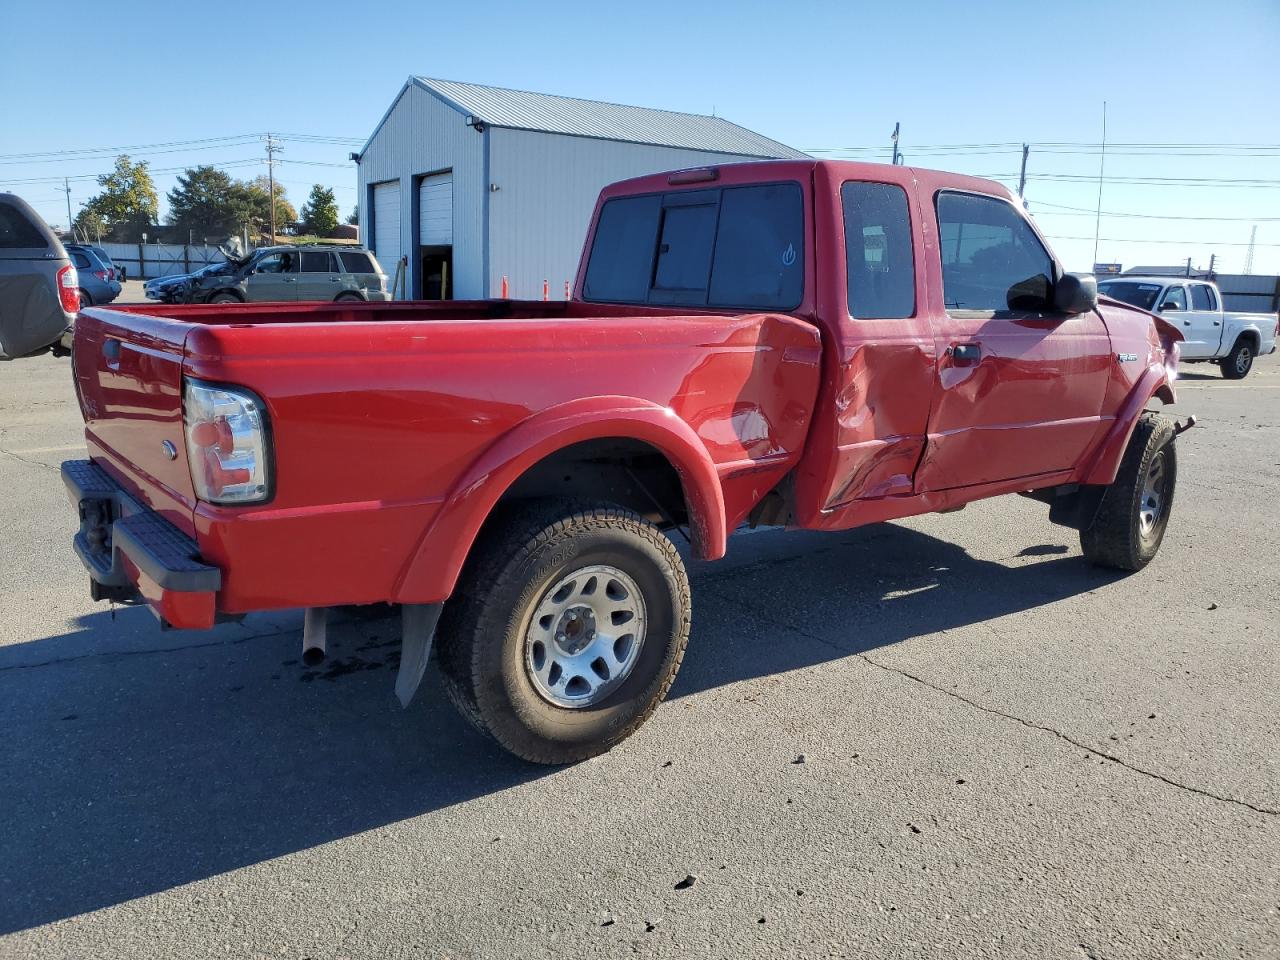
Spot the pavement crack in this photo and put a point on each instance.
(1029, 724)
(30, 463)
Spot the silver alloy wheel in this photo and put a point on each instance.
(1151, 506)
(585, 636)
(1243, 359)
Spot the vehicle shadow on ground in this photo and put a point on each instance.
(125, 774)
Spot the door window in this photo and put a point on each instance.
(1202, 297)
(991, 258)
(1176, 296)
(318, 262)
(281, 262)
(879, 259)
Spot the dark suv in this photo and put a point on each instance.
(98, 283)
(296, 273)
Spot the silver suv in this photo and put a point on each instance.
(39, 289)
(296, 273)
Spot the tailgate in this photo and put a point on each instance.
(128, 376)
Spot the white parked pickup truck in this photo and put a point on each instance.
(1231, 340)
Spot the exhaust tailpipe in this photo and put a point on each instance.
(314, 626)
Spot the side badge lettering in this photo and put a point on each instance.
(1126, 357)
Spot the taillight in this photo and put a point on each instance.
(69, 289)
(102, 275)
(226, 443)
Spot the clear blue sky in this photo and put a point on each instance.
(814, 75)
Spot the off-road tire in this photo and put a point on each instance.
(1116, 537)
(481, 640)
(1237, 364)
(225, 298)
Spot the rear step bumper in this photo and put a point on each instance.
(133, 553)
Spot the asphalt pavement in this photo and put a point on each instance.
(945, 737)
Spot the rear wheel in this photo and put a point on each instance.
(348, 297)
(1237, 364)
(1130, 523)
(225, 298)
(85, 300)
(567, 629)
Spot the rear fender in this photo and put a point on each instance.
(432, 572)
(1154, 382)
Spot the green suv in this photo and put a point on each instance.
(296, 273)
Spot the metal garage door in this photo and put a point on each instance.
(386, 226)
(435, 211)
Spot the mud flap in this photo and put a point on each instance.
(418, 628)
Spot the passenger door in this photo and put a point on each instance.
(274, 278)
(1201, 325)
(1018, 385)
(319, 278)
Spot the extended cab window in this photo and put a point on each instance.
(991, 258)
(877, 240)
(724, 247)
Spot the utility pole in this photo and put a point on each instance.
(272, 149)
(1022, 177)
(897, 156)
(66, 188)
(1188, 266)
(1248, 256)
(1213, 258)
(1102, 167)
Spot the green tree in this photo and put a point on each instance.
(320, 213)
(206, 201)
(127, 204)
(258, 197)
(355, 215)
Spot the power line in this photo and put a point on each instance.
(1187, 243)
(1144, 216)
(172, 146)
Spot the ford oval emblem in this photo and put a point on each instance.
(170, 450)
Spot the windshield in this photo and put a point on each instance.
(1139, 294)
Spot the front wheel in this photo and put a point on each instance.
(225, 298)
(1237, 364)
(1129, 526)
(567, 630)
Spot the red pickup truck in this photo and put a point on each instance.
(819, 345)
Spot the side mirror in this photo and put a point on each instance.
(1075, 293)
(1169, 305)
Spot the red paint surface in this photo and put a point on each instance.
(396, 427)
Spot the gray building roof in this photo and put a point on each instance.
(544, 112)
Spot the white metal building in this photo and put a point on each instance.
(473, 183)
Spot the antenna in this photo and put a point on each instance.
(1248, 257)
(1102, 166)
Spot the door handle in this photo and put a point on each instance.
(1217, 323)
(964, 352)
(290, 280)
(1186, 323)
(333, 280)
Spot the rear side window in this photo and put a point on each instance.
(357, 261)
(991, 258)
(730, 247)
(17, 232)
(880, 263)
(1202, 298)
(81, 261)
(318, 262)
